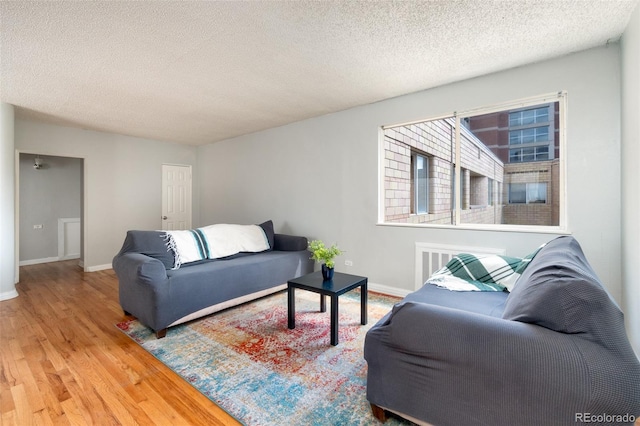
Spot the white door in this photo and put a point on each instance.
(176, 197)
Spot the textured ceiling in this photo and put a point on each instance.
(200, 72)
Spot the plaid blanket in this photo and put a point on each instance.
(468, 272)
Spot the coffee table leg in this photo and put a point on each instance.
(291, 307)
(363, 304)
(334, 320)
(323, 303)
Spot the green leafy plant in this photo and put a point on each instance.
(323, 254)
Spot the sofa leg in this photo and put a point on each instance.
(379, 413)
(161, 333)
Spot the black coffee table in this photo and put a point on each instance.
(340, 284)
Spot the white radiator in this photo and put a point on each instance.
(431, 257)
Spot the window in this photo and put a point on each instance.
(536, 153)
(530, 135)
(490, 192)
(517, 193)
(421, 183)
(534, 130)
(527, 193)
(494, 166)
(529, 116)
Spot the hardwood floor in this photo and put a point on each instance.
(64, 361)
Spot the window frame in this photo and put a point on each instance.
(560, 97)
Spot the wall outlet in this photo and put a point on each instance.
(37, 226)
(348, 263)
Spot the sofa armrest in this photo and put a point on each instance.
(136, 267)
(284, 242)
(143, 289)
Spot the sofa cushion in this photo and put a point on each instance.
(560, 291)
(481, 302)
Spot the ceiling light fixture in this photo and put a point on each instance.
(38, 163)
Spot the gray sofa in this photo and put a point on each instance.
(160, 296)
(554, 351)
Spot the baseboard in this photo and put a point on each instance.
(391, 291)
(37, 261)
(8, 295)
(50, 259)
(97, 268)
(70, 256)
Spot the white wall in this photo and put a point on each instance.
(631, 176)
(319, 177)
(122, 177)
(7, 203)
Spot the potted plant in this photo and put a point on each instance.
(324, 255)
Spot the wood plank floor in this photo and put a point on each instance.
(64, 361)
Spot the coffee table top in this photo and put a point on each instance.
(341, 283)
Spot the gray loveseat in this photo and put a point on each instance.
(160, 296)
(554, 351)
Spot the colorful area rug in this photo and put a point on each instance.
(247, 361)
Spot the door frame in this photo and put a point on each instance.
(84, 248)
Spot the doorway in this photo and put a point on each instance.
(50, 208)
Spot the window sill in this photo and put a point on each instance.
(480, 227)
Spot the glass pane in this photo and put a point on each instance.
(542, 133)
(536, 193)
(514, 119)
(421, 184)
(528, 117)
(490, 190)
(528, 135)
(542, 153)
(522, 174)
(517, 193)
(515, 137)
(542, 115)
(418, 172)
